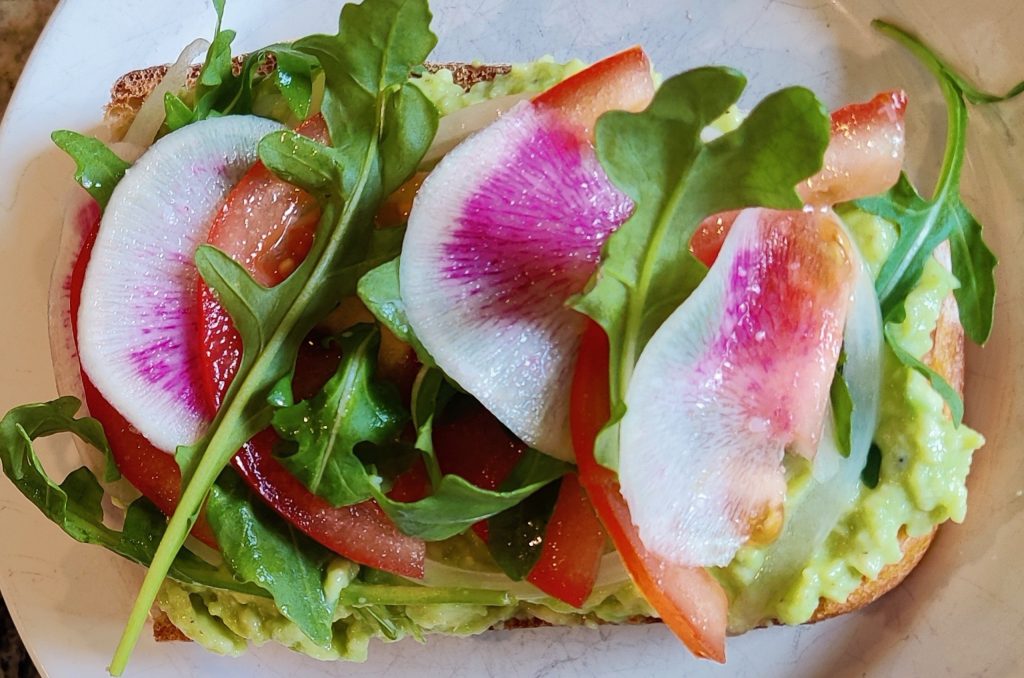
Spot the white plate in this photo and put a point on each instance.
(961, 612)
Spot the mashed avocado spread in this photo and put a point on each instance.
(921, 478)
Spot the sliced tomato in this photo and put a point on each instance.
(267, 225)
(573, 544)
(709, 236)
(153, 473)
(472, 443)
(864, 157)
(689, 600)
(622, 81)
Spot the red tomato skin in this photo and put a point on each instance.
(573, 544)
(689, 600)
(621, 81)
(361, 532)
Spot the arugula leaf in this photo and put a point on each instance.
(75, 504)
(842, 410)
(515, 537)
(938, 382)
(926, 223)
(221, 91)
(872, 471)
(360, 595)
(379, 291)
(97, 168)
(367, 67)
(351, 408)
(430, 393)
(456, 504)
(263, 549)
(364, 66)
(940, 67)
(301, 161)
(659, 160)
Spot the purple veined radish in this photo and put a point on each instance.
(506, 228)
(736, 376)
(136, 323)
(813, 513)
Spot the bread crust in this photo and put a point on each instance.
(132, 88)
(946, 356)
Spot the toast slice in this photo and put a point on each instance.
(946, 356)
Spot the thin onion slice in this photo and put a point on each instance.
(437, 574)
(812, 514)
(151, 115)
(453, 128)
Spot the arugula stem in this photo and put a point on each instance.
(184, 517)
(634, 318)
(356, 595)
(956, 143)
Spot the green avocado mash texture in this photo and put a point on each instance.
(921, 483)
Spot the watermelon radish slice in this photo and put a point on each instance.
(507, 227)
(136, 322)
(738, 374)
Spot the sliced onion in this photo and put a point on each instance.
(813, 514)
(863, 342)
(80, 216)
(457, 125)
(151, 115)
(437, 574)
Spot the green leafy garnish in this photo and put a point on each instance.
(925, 223)
(220, 91)
(380, 127)
(676, 180)
(75, 504)
(351, 408)
(98, 169)
(872, 471)
(938, 382)
(456, 504)
(262, 549)
(430, 393)
(842, 411)
(379, 291)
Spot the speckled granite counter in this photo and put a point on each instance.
(20, 24)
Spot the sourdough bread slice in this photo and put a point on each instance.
(946, 356)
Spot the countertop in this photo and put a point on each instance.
(20, 24)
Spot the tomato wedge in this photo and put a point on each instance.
(153, 473)
(472, 443)
(267, 225)
(689, 600)
(570, 556)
